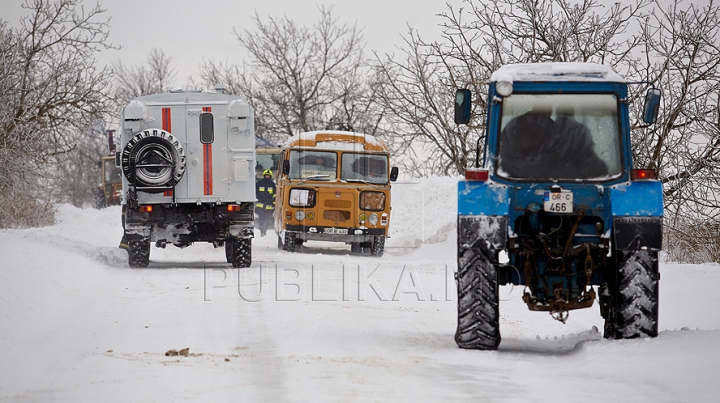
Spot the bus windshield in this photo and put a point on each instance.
(364, 168)
(315, 165)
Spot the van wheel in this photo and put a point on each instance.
(154, 159)
(289, 244)
(229, 250)
(138, 252)
(241, 252)
(378, 245)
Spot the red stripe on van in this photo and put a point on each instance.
(166, 124)
(207, 169)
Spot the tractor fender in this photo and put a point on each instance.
(637, 214)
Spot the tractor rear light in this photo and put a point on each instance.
(476, 174)
(640, 174)
(233, 208)
(146, 208)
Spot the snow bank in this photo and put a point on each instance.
(87, 232)
(423, 211)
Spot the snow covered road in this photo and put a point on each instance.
(78, 325)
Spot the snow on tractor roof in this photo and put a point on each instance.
(336, 139)
(590, 72)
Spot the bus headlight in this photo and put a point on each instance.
(299, 215)
(373, 219)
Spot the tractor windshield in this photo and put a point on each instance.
(559, 137)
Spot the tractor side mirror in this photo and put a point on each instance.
(463, 103)
(394, 173)
(652, 105)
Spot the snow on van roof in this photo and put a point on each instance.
(557, 72)
(188, 97)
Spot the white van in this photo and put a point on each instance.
(187, 160)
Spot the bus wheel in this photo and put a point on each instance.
(378, 245)
(289, 244)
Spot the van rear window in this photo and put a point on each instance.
(207, 128)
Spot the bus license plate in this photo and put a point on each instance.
(336, 231)
(560, 202)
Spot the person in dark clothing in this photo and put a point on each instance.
(265, 205)
(534, 146)
(575, 147)
(522, 140)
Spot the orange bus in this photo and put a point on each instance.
(334, 186)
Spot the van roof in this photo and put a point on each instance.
(188, 97)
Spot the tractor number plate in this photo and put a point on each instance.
(558, 202)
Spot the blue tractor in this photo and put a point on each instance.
(555, 205)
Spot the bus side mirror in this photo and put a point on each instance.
(463, 103)
(394, 173)
(117, 159)
(286, 167)
(652, 105)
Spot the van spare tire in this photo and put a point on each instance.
(153, 158)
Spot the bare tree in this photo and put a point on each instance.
(418, 90)
(682, 54)
(300, 78)
(50, 91)
(416, 94)
(155, 77)
(80, 171)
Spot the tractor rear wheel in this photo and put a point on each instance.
(633, 307)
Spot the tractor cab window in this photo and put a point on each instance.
(559, 137)
(111, 172)
(315, 165)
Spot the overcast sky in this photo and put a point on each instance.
(192, 31)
